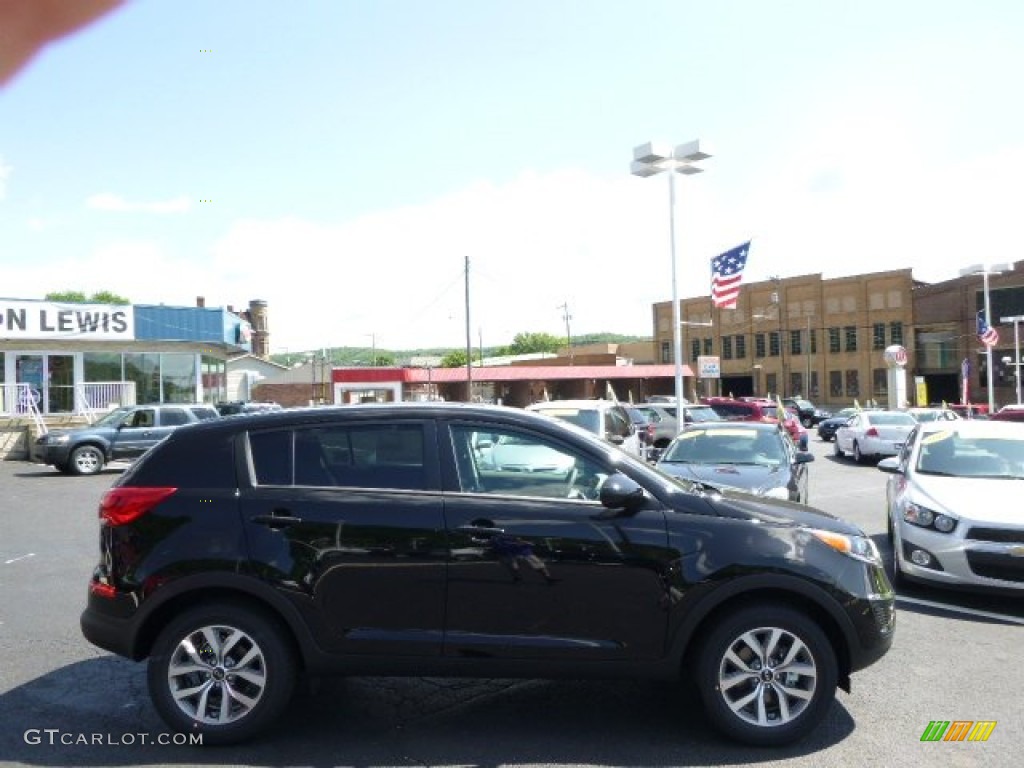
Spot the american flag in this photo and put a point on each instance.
(987, 335)
(726, 275)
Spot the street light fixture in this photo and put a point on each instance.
(1016, 320)
(985, 270)
(649, 160)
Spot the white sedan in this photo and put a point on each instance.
(954, 511)
(873, 433)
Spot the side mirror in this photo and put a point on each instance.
(890, 465)
(615, 439)
(802, 457)
(622, 493)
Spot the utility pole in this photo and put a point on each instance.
(568, 336)
(469, 344)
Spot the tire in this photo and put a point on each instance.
(858, 457)
(781, 634)
(257, 698)
(807, 421)
(897, 572)
(86, 460)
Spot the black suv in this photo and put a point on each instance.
(384, 540)
(123, 433)
(810, 414)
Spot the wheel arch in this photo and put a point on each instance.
(756, 591)
(239, 593)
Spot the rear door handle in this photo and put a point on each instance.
(276, 520)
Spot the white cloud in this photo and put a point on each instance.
(598, 244)
(105, 201)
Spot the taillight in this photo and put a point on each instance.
(872, 432)
(123, 505)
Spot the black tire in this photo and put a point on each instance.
(897, 573)
(257, 698)
(813, 654)
(86, 460)
(858, 457)
(807, 421)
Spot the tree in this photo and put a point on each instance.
(78, 297)
(526, 343)
(456, 359)
(383, 359)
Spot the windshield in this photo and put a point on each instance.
(726, 446)
(112, 419)
(589, 420)
(892, 419)
(950, 454)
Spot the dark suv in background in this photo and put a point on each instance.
(385, 540)
(810, 414)
(123, 433)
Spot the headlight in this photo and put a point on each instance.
(54, 439)
(858, 547)
(775, 493)
(923, 517)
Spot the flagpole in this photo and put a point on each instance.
(988, 348)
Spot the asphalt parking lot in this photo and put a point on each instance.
(63, 702)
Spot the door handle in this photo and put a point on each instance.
(276, 520)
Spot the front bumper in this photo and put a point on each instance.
(959, 561)
(52, 453)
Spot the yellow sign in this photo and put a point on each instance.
(922, 390)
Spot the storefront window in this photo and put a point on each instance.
(178, 377)
(215, 380)
(101, 366)
(144, 370)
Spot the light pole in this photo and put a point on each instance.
(649, 160)
(1016, 320)
(757, 374)
(985, 270)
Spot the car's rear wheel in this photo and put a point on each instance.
(807, 421)
(767, 675)
(857, 455)
(223, 671)
(86, 460)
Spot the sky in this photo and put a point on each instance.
(343, 160)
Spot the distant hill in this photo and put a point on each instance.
(355, 356)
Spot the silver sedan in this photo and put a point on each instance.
(873, 433)
(953, 499)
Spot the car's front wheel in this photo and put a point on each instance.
(223, 671)
(767, 675)
(86, 460)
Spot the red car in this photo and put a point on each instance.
(1009, 413)
(731, 409)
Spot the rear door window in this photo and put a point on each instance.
(385, 456)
